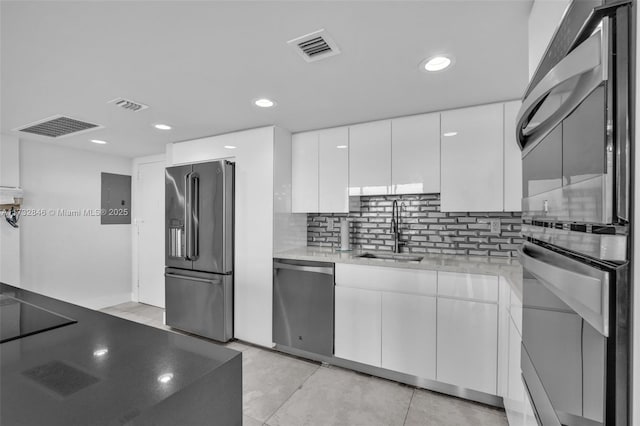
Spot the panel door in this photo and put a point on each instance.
(333, 164)
(415, 143)
(358, 325)
(370, 158)
(472, 159)
(409, 334)
(467, 344)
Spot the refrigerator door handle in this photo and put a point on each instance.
(185, 277)
(187, 216)
(191, 215)
(194, 196)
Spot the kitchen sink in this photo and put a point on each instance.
(392, 256)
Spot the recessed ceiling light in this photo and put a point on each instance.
(230, 147)
(100, 352)
(165, 378)
(98, 141)
(342, 146)
(436, 63)
(450, 134)
(162, 126)
(264, 103)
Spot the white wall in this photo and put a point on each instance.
(543, 20)
(72, 258)
(9, 237)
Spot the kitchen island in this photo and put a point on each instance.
(90, 368)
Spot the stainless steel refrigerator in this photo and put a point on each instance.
(199, 248)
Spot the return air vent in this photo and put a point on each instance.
(315, 46)
(58, 126)
(128, 104)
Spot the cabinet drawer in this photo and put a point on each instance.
(468, 286)
(381, 278)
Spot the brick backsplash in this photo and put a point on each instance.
(424, 228)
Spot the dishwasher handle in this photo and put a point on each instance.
(304, 268)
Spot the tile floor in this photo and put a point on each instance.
(279, 390)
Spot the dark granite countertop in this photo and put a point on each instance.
(103, 370)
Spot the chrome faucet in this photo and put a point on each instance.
(396, 221)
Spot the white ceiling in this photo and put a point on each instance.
(199, 64)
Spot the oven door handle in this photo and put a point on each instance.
(583, 288)
(587, 61)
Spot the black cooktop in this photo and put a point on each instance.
(19, 319)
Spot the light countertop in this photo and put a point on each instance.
(507, 267)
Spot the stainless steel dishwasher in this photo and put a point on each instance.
(303, 305)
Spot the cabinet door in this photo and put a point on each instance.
(409, 334)
(472, 159)
(467, 344)
(304, 169)
(415, 146)
(512, 160)
(333, 189)
(514, 400)
(358, 325)
(370, 158)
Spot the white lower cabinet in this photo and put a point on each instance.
(426, 324)
(514, 397)
(358, 325)
(409, 334)
(467, 344)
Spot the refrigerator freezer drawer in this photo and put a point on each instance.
(200, 303)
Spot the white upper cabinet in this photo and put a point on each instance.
(512, 160)
(333, 187)
(415, 154)
(320, 171)
(370, 158)
(304, 153)
(469, 156)
(472, 159)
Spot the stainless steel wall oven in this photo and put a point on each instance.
(573, 129)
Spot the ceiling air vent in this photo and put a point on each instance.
(58, 126)
(128, 104)
(315, 46)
